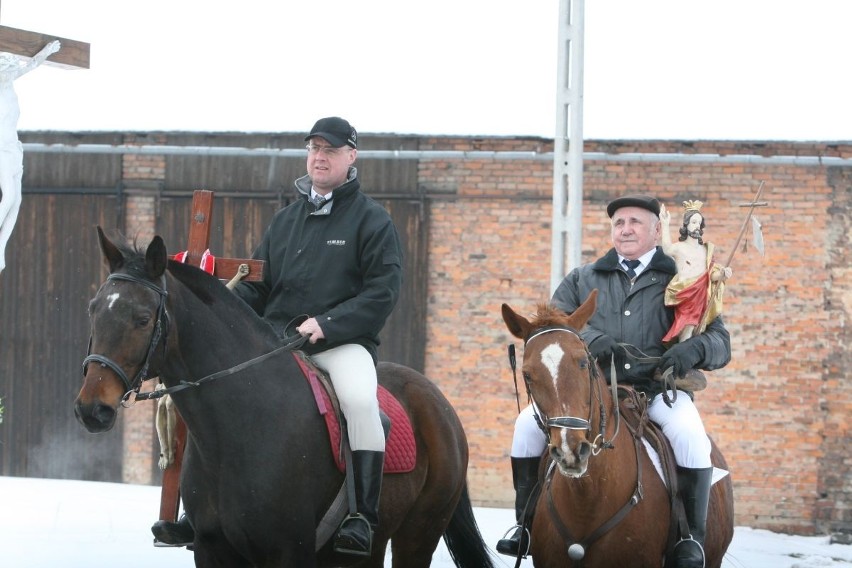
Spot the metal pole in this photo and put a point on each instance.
(568, 144)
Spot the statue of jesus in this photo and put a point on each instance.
(11, 150)
(696, 290)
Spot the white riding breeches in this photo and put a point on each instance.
(681, 424)
(353, 374)
(683, 427)
(528, 441)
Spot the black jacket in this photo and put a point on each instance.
(341, 264)
(635, 315)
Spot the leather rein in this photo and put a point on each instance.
(159, 335)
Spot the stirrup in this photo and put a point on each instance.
(168, 534)
(698, 544)
(348, 545)
(525, 533)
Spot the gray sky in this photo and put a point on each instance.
(670, 69)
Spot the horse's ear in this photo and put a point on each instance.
(112, 256)
(518, 325)
(582, 314)
(156, 258)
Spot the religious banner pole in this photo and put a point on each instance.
(716, 287)
(754, 203)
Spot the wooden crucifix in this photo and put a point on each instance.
(73, 55)
(224, 269)
(20, 53)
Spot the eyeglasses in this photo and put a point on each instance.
(325, 150)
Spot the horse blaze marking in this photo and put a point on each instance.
(551, 356)
(112, 299)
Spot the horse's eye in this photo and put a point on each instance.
(143, 321)
(584, 363)
(527, 376)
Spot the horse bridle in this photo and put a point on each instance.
(573, 422)
(577, 549)
(160, 332)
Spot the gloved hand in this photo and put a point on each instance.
(605, 347)
(682, 357)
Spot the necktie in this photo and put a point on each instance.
(631, 267)
(318, 201)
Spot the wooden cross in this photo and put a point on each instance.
(199, 241)
(225, 269)
(72, 54)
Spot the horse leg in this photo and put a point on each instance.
(413, 545)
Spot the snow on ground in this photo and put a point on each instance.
(47, 523)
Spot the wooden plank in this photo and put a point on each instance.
(227, 267)
(72, 54)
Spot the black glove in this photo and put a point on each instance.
(682, 357)
(605, 347)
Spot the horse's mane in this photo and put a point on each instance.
(548, 315)
(210, 291)
(134, 258)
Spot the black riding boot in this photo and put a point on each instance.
(694, 485)
(524, 478)
(355, 535)
(167, 533)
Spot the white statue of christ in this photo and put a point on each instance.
(11, 150)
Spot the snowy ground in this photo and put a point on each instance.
(71, 524)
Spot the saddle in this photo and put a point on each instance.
(400, 447)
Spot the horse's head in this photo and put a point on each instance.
(560, 376)
(129, 322)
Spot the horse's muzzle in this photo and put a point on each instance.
(571, 462)
(95, 416)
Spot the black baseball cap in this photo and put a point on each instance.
(643, 201)
(337, 131)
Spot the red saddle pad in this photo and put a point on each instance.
(400, 448)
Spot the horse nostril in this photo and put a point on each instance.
(103, 414)
(95, 417)
(584, 450)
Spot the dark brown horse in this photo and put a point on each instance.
(602, 503)
(258, 473)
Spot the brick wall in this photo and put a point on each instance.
(780, 411)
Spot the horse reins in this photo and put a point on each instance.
(577, 549)
(160, 332)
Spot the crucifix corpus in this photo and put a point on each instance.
(21, 52)
(232, 269)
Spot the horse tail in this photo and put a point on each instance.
(463, 539)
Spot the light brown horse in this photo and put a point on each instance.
(603, 503)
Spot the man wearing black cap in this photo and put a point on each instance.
(631, 280)
(335, 255)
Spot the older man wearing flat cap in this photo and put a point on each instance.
(631, 280)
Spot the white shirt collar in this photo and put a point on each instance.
(644, 260)
(314, 194)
